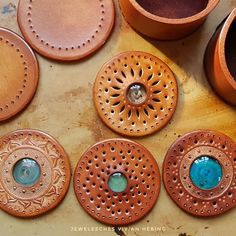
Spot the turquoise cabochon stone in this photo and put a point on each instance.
(117, 182)
(206, 172)
(26, 172)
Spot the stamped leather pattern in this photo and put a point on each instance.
(177, 165)
(49, 190)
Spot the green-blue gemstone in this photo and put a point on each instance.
(117, 182)
(26, 172)
(206, 172)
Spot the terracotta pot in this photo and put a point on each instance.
(220, 59)
(166, 19)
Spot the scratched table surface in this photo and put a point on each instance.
(63, 107)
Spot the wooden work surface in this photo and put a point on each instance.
(63, 107)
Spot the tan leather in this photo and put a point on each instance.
(66, 30)
(112, 86)
(176, 167)
(117, 156)
(167, 27)
(216, 66)
(19, 74)
(30, 201)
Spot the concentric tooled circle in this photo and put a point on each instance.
(156, 98)
(19, 74)
(73, 30)
(33, 200)
(99, 163)
(176, 173)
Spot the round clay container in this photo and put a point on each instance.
(19, 74)
(135, 94)
(166, 19)
(71, 31)
(199, 173)
(220, 60)
(35, 173)
(117, 182)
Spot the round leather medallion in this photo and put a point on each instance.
(19, 74)
(65, 30)
(199, 173)
(135, 94)
(117, 181)
(35, 173)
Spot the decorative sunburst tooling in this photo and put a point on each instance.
(135, 93)
(52, 183)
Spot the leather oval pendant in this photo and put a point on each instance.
(72, 30)
(35, 173)
(135, 94)
(19, 74)
(117, 181)
(199, 173)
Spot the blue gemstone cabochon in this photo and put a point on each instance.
(26, 172)
(117, 182)
(206, 172)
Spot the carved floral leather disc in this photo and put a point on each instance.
(34, 173)
(117, 181)
(66, 30)
(199, 173)
(19, 74)
(135, 94)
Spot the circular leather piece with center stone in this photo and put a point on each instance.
(199, 173)
(124, 166)
(34, 173)
(135, 94)
(71, 31)
(19, 74)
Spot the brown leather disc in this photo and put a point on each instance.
(33, 200)
(19, 74)
(100, 162)
(65, 30)
(176, 173)
(135, 94)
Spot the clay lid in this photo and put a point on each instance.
(117, 181)
(135, 93)
(35, 173)
(199, 173)
(19, 74)
(71, 31)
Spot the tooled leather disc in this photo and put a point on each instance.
(34, 173)
(65, 30)
(19, 74)
(190, 168)
(108, 158)
(135, 94)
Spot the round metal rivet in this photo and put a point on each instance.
(136, 94)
